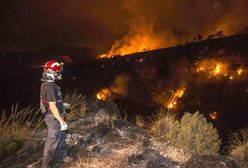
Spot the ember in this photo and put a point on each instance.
(213, 115)
(216, 68)
(212, 67)
(239, 71)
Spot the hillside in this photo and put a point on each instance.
(110, 143)
(157, 73)
(146, 79)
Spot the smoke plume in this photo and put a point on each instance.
(135, 25)
(164, 23)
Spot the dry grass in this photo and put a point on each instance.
(238, 145)
(124, 118)
(161, 122)
(18, 128)
(20, 122)
(98, 162)
(78, 104)
(139, 121)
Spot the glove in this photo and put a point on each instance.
(63, 127)
(66, 105)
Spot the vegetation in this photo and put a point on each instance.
(193, 134)
(238, 145)
(162, 122)
(78, 105)
(139, 121)
(18, 128)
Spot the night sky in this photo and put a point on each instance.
(31, 24)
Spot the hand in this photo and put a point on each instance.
(66, 105)
(63, 126)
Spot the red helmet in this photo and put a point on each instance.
(54, 65)
(52, 71)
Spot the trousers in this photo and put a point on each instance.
(55, 145)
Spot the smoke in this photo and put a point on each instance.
(164, 23)
(120, 86)
(139, 24)
(179, 20)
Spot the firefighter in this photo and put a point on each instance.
(54, 110)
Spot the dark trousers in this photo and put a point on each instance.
(55, 145)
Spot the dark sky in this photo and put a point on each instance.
(61, 22)
(98, 23)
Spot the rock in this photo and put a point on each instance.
(211, 161)
(108, 106)
(101, 117)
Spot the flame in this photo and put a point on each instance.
(169, 101)
(171, 105)
(239, 71)
(175, 95)
(103, 94)
(215, 68)
(118, 88)
(212, 67)
(140, 39)
(213, 115)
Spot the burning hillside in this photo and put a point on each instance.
(215, 68)
(168, 23)
(209, 76)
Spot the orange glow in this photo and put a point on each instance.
(118, 89)
(170, 106)
(169, 100)
(140, 39)
(213, 115)
(239, 71)
(103, 94)
(217, 68)
(102, 56)
(140, 60)
(175, 95)
(212, 67)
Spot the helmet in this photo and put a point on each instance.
(52, 70)
(54, 65)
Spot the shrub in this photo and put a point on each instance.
(78, 105)
(238, 145)
(139, 121)
(193, 134)
(18, 128)
(161, 122)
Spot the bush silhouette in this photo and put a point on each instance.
(193, 134)
(238, 146)
(161, 123)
